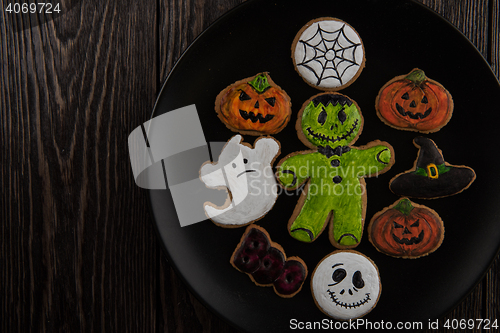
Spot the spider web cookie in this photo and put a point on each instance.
(328, 54)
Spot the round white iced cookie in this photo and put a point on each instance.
(328, 53)
(346, 285)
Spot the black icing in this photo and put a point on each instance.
(254, 118)
(271, 101)
(329, 151)
(342, 116)
(339, 274)
(412, 115)
(357, 280)
(409, 241)
(244, 96)
(322, 117)
(334, 99)
(335, 163)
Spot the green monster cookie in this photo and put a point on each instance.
(333, 171)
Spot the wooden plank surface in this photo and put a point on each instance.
(78, 251)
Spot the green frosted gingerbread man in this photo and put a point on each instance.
(334, 171)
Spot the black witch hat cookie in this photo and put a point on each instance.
(431, 177)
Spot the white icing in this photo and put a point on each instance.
(329, 54)
(252, 184)
(342, 300)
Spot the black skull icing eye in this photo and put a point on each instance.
(322, 117)
(339, 274)
(342, 116)
(245, 161)
(271, 101)
(244, 96)
(357, 280)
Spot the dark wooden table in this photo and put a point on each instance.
(78, 251)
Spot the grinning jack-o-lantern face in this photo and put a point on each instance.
(406, 230)
(254, 106)
(415, 103)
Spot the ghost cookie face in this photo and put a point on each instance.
(328, 54)
(346, 285)
(246, 172)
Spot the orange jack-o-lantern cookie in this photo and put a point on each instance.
(254, 106)
(413, 102)
(406, 230)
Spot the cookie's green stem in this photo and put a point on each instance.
(260, 83)
(404, 206)
(417, 76)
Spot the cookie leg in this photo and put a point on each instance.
(347, 222)
(311, 220)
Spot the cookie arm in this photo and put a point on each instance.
(293, 170)
(375, 158)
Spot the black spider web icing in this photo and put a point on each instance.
(329, 54)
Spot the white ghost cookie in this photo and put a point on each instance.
(346, 285)
(247, 174)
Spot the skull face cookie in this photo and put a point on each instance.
(346, 285)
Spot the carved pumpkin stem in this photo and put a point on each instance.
(260, 83)
(404, 206)
(417, 76)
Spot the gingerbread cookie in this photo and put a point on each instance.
(333, 171)
(266, 264)
(346, 285)
(406, 230)
(247, 174)
(431, 177)
(328, 54)
(413, 102)
(254, 106)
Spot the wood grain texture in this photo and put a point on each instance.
(74, 256)
(494, 34)
(78, 251)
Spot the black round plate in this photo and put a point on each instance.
(398, 36)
